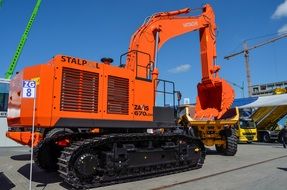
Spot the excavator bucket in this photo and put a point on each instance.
(214, 98)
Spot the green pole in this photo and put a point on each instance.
(24, 37)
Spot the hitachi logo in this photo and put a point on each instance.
(190, 24)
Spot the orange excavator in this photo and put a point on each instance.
(97, 123)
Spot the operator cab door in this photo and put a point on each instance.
(165, 108)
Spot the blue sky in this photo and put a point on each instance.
(94, 29)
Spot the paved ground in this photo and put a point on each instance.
(255, 166)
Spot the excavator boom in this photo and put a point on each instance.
(215, 95)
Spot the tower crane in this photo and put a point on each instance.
(22, 42)
(241, 87)
(245, 52)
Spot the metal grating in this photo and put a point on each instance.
(79, 92)
(118, 95)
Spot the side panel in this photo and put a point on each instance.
(73, 89)
(20, 109)
(77, 91)
(118, 93)
(143, 100)
(44, 95)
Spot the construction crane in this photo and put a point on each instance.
(24, 37)
(241, 87)
(246, 50)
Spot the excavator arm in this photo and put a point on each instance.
(215, 95)
(168, 25)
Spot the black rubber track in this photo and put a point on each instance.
(47, 152)
(125, 174)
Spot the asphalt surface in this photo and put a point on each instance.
(255, 166)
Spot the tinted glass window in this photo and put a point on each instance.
(4, 90)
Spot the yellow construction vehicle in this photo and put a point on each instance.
(221, 133)
(246, 130)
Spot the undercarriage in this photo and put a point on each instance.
(86, 160)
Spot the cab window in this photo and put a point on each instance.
(4, 93)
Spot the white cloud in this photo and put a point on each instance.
(283, 29)
(280, 11)
(180, 69)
